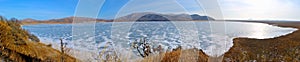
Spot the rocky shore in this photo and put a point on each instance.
(284, 48)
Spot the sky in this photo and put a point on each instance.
(231, 9)
(37, 9)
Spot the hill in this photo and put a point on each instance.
(144, 16)
(18, 45)
(65, 20)
(149, 16)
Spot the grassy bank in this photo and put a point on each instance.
(18, 45)
(285, 48)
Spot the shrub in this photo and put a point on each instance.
(144, 48)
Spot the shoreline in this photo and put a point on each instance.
(28, 23)
(275, 49)
(249, 45)
(282, 48)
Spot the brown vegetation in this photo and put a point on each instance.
(143, 47)
(18, 45)
(284, 48)
(190, 55)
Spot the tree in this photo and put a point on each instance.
(14, 20)
(3, 18)
(143, 47)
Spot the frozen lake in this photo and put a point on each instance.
(158, 33)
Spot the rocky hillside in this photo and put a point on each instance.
(17, 45)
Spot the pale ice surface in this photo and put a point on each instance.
(159, 33)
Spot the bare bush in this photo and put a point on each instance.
(144, 47)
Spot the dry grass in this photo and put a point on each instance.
(171, 56)
(178, 55)
(284, 48)
(16, 46)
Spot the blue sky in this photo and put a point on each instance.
(232, 9)
(37, 9)
(110, 8)
(49, 9)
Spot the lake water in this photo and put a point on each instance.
(159, 33)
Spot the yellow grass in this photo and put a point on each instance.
(16, 46)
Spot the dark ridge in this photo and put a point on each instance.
(198, 17)
(152, 17)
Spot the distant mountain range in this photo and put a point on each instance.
(61, 20)
(146, 16)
